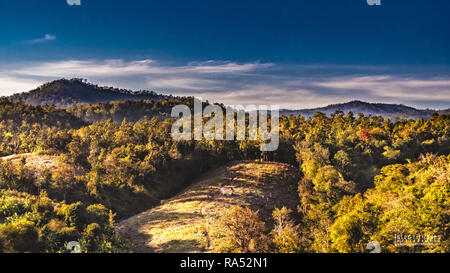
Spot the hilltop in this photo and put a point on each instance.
(66, 92)
(188, 222)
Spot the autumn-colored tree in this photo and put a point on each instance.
(286, 237)
(244, 231)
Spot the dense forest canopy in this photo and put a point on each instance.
(364, 178)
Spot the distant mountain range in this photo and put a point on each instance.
(64, 93)
(392, 111)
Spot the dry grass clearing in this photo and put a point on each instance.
(34, 161)
(188, 222)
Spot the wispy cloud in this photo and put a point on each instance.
(290, 86)
(47, 37)
(392, 87)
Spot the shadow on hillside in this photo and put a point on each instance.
(277, 195)
(139, 240)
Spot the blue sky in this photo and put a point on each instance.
(293, 53)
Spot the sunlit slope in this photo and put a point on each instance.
(33, 161)
(189, 221)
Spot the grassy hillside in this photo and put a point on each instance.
(189, 221)
(33, 161)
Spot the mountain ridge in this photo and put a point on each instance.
(385, 110)
(77, 91)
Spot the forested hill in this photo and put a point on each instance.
(391, 111)
(18, 114)
(131, 110)
(65, 92)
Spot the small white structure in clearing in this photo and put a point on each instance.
(225, 190)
